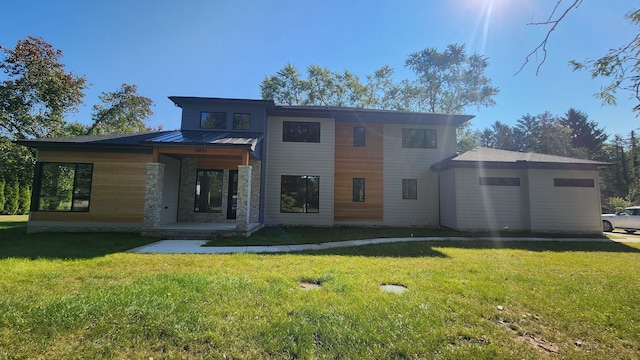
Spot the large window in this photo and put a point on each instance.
(299, 194)
(299, 131)
(241, 121)
(62, 187)
(419, 138)
(358, 189)
(213, 120)
(209, 191)
(410, 189)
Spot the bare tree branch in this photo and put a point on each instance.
(553, 22)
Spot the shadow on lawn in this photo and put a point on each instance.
(429, 248)
(16, 243)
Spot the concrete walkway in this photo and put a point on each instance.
(195, 246)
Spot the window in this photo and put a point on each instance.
(359, 136)
(62, 187)
(419, 138)
(573, 182)
(298, 131)
(213, 120)
(410, 189)
(499, 181)
(241, 121)
(299, 194)
(208, 191)
(358, 189)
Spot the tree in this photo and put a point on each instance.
(445, 82)
(121, 112)
(620, 64)
(586, 137)
(37, 91)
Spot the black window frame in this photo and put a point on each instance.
(215, 114)
(359, 136)
(197, 192)
(241, 117)
(498, 181)
(573, 182)
(301, 131)
(306, 195)
(80, 193)
(419, 138)
(359, 189)
(407, 186)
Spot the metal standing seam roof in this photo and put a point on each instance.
(193, 137)
(174, 137)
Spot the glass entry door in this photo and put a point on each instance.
(232, 199)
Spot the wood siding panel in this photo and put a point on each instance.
(117, 189)
(358, 162)
(293, 158)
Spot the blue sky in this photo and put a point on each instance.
(223, 48)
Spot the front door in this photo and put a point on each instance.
(232, 199)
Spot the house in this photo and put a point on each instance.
(236, 165)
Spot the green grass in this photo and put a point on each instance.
(289, 235)
(558, 300)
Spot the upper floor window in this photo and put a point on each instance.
(241, 121)
(359, 136)
(419, 138)
(213, 120)
(300, 131)
(62, 187)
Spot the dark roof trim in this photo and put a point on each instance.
(518, 165)
(340, 114)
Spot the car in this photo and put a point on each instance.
(627, 219)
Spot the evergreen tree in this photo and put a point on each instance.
(12, 198)
(2, 195)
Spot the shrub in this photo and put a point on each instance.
(12, 198)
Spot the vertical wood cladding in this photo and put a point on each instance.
(358, 162)
(117, 188)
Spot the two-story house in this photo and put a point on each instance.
(236, 165)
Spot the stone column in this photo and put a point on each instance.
(254, 210)
(153, 195)
(244, 197)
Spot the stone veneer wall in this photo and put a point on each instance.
(153, 195)
(254, 214)
(244, 197)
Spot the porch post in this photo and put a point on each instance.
(244, 197)
(153, 195)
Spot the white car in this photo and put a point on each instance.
(627, 219)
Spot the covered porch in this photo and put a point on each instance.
(203, 189)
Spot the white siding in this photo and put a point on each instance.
(401, 163)
(170, 186)
(490, 207)
(574, 209)
(294, 158)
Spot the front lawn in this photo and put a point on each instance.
(465, 300)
